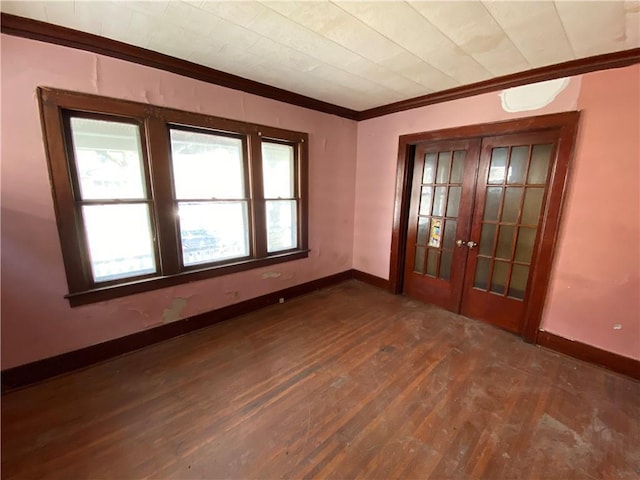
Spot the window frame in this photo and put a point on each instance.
(246, 167)
(57, 107)
(296, 187)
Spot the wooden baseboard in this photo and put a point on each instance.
(40, 370)
(46, 368)
(371, 279)
(582, 351)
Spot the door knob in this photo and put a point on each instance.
(460, 243)
(471, 244)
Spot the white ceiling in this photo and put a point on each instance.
(357, 55)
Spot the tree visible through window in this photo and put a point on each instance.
(148, 196)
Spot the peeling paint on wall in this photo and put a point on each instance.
(172, 313)
(243, 110)
(532, 97)
(233, 294)
(270, 275)
(95, 75)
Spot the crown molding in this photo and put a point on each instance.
(623, 58)
(46, 32)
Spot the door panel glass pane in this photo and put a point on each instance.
(419, 261)
(277, 170)
(532, 205)
(505, 241)
(432, 261)
(492, 203)
(213, 231)
(453, 202)
(449, 234)
(486, 239)
(282, 225)
(439, 201)
(524, 246)
(445, 265)
(518, 283)
(423, 230)
(539, 164)
(108, 159)
(498, 165)
(518, 164)
(120, 240)
(429, 172)
(444, 164)
(482, 273)
(425, 200)
(499, 278)
(511, 207)
(206, 166)
(457, 168)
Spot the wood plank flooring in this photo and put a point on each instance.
(348, 382)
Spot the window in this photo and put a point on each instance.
(280, 195)
(148, 197)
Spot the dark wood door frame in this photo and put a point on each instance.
(567, 125)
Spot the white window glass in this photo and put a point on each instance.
(206, 166)
(120, 240)
(281, 225)
(279, 191)
(108, 159)
(277, 170)
(213, 231)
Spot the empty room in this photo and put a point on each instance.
(320, 239)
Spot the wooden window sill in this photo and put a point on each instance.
(100, 294)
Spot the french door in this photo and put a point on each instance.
(444, 177)
(476, 222)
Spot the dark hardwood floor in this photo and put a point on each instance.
(347, 382)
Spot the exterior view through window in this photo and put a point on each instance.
(278, 169)
(213, 209)
(148, 197)
(113, 196)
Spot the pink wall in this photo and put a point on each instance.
(595, 280)
(37, 321)
(351, 201)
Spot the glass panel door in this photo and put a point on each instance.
(437, 221)
(510, 221)
(442, 195)
(512, 183)
(483, 217)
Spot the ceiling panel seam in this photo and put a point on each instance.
(337, 84)
(456, 81)
(369, 80)
(491, 74)
(513, 42)
(339, 45)
(564, 30)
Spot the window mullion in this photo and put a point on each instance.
(258, 204)
(165, 207)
